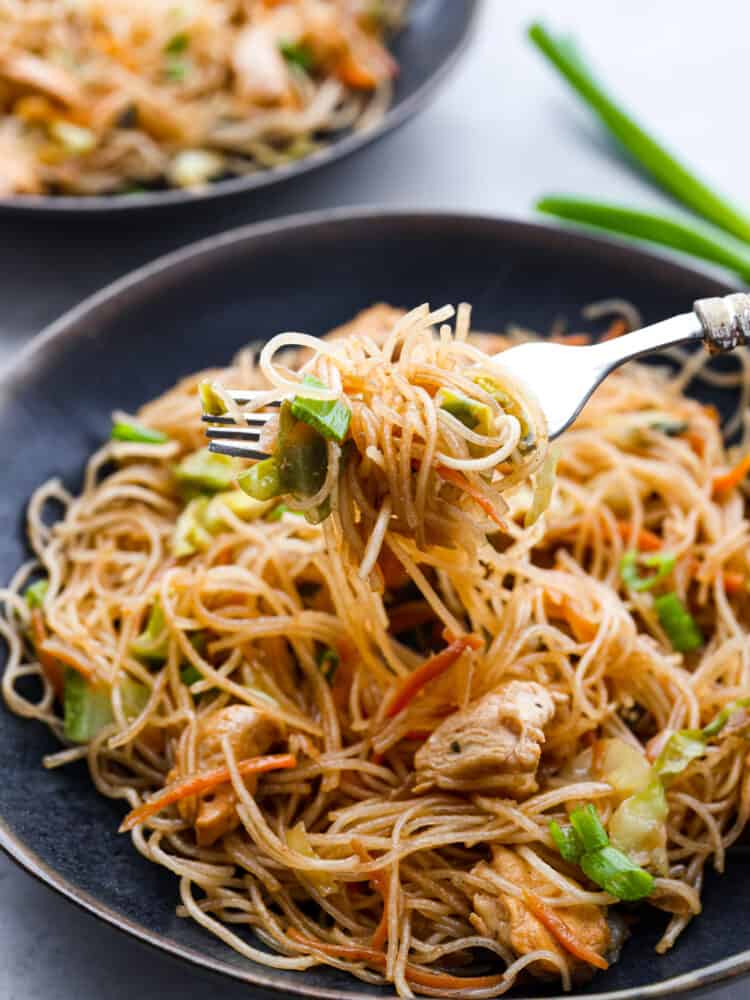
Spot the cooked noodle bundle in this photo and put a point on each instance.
(414, 433)
(104, 96)
(446, 782)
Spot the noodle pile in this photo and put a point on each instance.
(109, 96)
(340, 829)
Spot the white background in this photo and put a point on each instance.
(502, 131)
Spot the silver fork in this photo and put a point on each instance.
(560, 377)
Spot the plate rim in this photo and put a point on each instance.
(66, 327)
(395, 116)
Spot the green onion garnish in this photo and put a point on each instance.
(614, 872)
(679, 751)
(678, 623)
(261, 481)
(132, 430)
(329, 417)
(662, 562)
(36, 592)
(586, 823)
(567, 842)
(211, 400)
(328, 663)
(715, 726)
(177, 44)
(297, 55)
(207, 472)
(190, 674)
(700, 241)
(672, 175)
(470, 412)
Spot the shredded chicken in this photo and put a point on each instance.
(250, 734)
(505, 917)
(493, 745)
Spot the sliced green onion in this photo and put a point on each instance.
(691, 238)
(662, 562)
(669, 426)
(177, 69)
(35, 593)
(190, 675)
(211, 400)
(614, 872)
(152, 645)
(715, 726)
(297, 54)
(678, 623)
(302, 455)
(470, 412)
(328, 663)
(132, 430)
(586, 823)
(207, 471)
(329, 417)
(669, 172)
(177, 44)
(190, 534)
(567, 842)
(238, 503)
(261, 481)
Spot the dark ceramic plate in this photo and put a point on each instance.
(196, 308)
(426, 50)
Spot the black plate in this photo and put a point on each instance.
(427, 48)
(196, 308)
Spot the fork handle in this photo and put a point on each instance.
(725, 321)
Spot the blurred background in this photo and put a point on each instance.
(502, 131)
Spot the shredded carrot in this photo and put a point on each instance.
(51, 669)
(560, 930)
(712, 413)
(696, 441)
(572, 339)
(427, 671)
(414, 973)
(729, 480)
(582, 628)
(734, 583)
(379, 880)
(56, 650)
(197, 784)
(457, 478)
(471, 640)
(409, 615)
(645, 540)
(615, 329)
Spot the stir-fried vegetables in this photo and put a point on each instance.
(586, 843)
(262, 481)
(204, 471)
(330, 418)
(138, 433)
(680, 626)
(410, 687)
(297, 839)
(328, 663)
(199, 784)
(555, 924)
(472, 414)
(153, 642)
(88, 707)
(212, 402)
(298, 54)
(36, 592)
(687, 745)
(731, 479)
(662, 562)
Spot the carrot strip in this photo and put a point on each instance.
(734, 583)
(57, 650)
(560, 930)
(51, 669)
(645, 540)
(457, 478)
(197, 784)
(582, 628)
(572, 339)
(380, 881)
(414, 973)
(409, 615)
(427, 671)
(729, 480)
(615, 329)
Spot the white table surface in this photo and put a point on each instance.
(503, 131)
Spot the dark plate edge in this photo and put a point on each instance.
(619, 250)
(395, 116)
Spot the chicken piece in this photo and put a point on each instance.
(493, 745)
(30, 71)
(250, 734)
(19, 173)
(506, 918)
(375, 322)
(261, 72)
